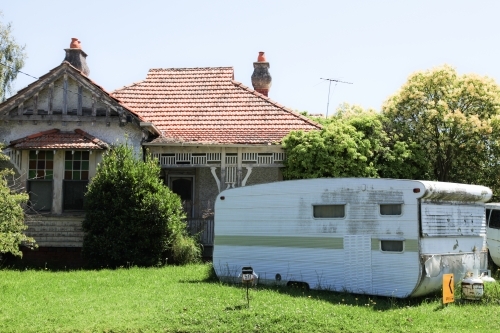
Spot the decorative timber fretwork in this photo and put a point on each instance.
(212, 159)
(65, 96)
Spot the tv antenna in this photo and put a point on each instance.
(329, 86)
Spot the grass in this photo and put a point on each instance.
(188, 299)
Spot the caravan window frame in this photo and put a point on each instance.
(392, 240)
(329, 217)
(400, 204)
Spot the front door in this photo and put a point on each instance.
(184, 187)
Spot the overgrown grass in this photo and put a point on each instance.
(188, 299)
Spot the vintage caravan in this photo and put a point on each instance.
(383, 237)
(493, 231)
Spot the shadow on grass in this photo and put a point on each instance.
(377, 303)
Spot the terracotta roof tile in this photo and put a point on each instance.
(55, 139)
(207, 105)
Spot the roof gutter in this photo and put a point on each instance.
(150, 127)
(195, 144)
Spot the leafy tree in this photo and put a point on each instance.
(131, 217)
(352, 143)
(337, 150)
(11, 59)
(453, 121)
(12, 217)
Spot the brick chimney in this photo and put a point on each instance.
(261, 79)
(76, 57)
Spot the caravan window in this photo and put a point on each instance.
(391, 209)
(329, 211)
(494, 218)
(391, 245)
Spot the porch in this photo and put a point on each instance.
(204, 228)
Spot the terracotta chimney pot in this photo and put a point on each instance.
(75, 44)
(261, 57)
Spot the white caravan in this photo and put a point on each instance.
(383, 237)
(493, 230)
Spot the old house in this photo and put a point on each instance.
(208, 132)
(56, 130)
(216, 133)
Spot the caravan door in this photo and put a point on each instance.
(358, 263)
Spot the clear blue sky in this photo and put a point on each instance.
(374, 44)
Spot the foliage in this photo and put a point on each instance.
(452, 121)
(131, 217)
(12, 224)
(11, 59)
(352, 143)
(337, 150)
(186, 299)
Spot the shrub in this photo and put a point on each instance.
(12, 219)
(131, 217)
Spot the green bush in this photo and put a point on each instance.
(12, 224)
(131, 217)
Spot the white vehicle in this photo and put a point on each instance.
(383, 237)
(493, 230)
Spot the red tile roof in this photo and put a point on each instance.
(205, 105)
(55, 139)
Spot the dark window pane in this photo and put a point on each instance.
(40, 193)
(393, 209)
(32, 164)
(495, 219)
(85, 175)
(40, 164)
(76, 175)
(85, 165)
(40, 174)
(329, 211)
(41, 155)
(32, 174)
(76, 165)
(49, 155)
(68, 165)
(67, 175)
(77, 155)
(183, 187)
(49, 174)
(74, 194)
(391, 246)
(49, 165)
(32, 154)
(85, 155)
(68, 156)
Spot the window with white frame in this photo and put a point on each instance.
(40, 178)
(391, 245)
(390, 209)
(76, 179)
(328, 211)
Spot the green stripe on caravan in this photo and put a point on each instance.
(336, 243)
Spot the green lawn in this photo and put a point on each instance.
(187, 299)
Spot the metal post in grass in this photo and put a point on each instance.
(247, 278)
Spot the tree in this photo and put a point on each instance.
(131, 217)
(352, 143)
(12, 217)
(12, 58)
(453, 121)
(337, 150)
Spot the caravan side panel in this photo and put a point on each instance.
(273, 228)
